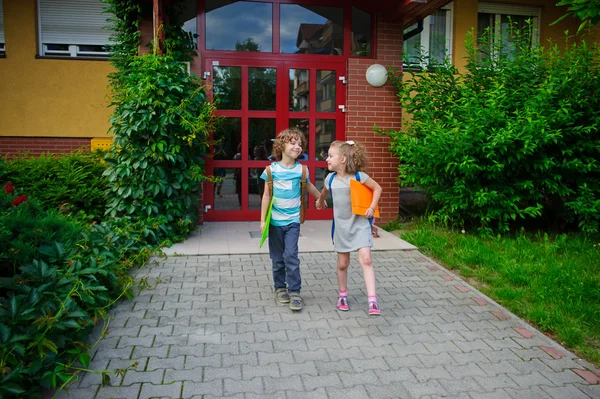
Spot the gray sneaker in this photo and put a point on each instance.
(282, 295)
(296, 301)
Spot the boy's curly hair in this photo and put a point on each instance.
(356, 155)
(285, 137)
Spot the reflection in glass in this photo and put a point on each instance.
(361, 32)
(261, 86)
(326, 81)
(325, 136)
(261, 132)
(311, 29)
(256, 187)
(302, 125)
(320, 175)
(431, 43)
(186, 14)
(226, 193)
(227, 87)
(299, 90)
(228, 135)
(239, 26)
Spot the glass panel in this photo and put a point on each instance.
(261, 132)
(311, 29)
(261, 87)
(485, 22)
(226, 192)
(412, 47)
(239, 26)
(325, 135)
(227, 87)
(302, 124)
(361, 32)
(299, 90)
(510, 25)
(320, 175)
(437, 36)
(228, 137)
(326, 81)
(186, 14)
(256, 187)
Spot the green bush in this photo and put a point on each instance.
(161, 123)
(72, 182)
(26, 228)
(514, 137)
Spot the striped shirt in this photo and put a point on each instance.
(286, 193)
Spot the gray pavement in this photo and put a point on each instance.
(210, 328)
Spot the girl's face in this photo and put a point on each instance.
(335, 161)
(293, 148)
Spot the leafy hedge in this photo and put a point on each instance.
(73, 183)
(516, 136)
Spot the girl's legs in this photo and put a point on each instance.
(342, 276)
(364, 258)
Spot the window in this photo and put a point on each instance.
(500, 20)
(434, 42)
(239, 26)
(73, 28)
(361, 32)
(308, 29)
(2, 49)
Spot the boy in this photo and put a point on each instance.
(284, 229)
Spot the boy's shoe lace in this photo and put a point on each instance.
(282, 295)
(342, 303)
(295, 301)
(374, 309)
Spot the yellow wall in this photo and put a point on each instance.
(48, 97)
(465, 19)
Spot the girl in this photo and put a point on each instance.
(352, 232)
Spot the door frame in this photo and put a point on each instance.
(282, 115)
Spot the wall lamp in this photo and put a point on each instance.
(376, 75)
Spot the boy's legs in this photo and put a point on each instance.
(291, 259)
(276, 249)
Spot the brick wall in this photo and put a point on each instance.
(37, 145)
(368, 106)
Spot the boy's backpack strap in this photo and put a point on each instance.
(303, 195)
(269, 180)
(331, 193)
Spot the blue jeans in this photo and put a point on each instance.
(283, 248)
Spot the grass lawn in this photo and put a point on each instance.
(552, 282)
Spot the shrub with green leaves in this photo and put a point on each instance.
(73, 183)
(160, 124)
(516, 136)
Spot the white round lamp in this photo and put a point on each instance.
(376, 75)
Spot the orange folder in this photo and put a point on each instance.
(361, 197)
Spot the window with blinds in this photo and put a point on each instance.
(500, 21)
(73, 28)
(434, 42)
(2, 42)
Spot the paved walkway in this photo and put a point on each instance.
(211, 328)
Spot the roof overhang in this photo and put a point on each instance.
(407, 11)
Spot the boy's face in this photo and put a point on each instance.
(293, 148)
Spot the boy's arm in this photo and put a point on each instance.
(321, 203)
(313, 190)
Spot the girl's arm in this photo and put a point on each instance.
(376, 188)
(264, 206)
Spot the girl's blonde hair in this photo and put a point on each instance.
(285, 137)
(356, 155)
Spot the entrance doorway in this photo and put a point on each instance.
(256, 99)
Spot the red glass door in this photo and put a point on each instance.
(256, 99)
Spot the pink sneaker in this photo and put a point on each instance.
(342, 303)
(374, 309)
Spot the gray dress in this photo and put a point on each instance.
(352, 232)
